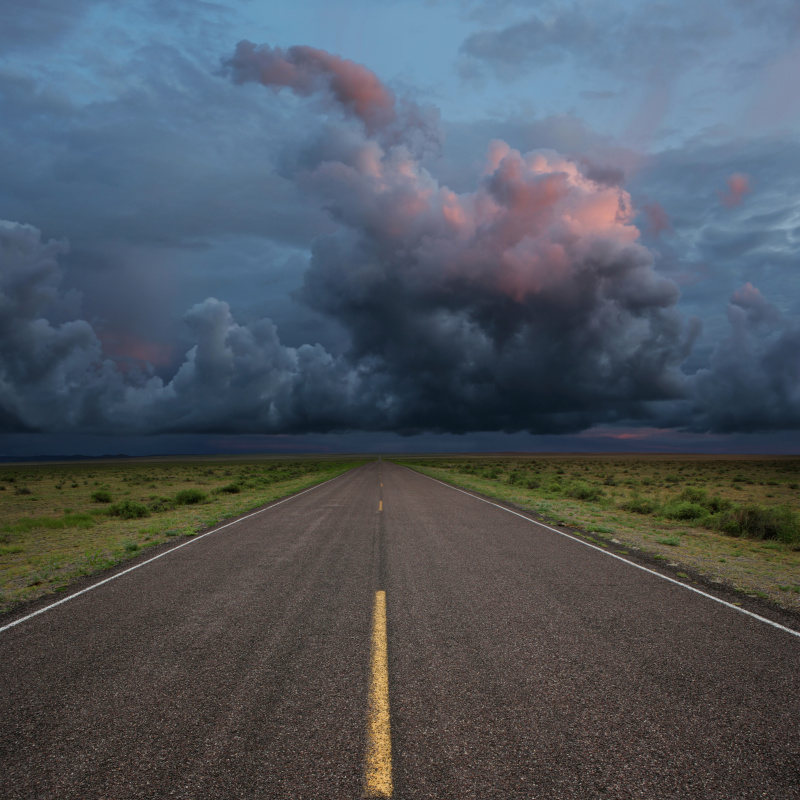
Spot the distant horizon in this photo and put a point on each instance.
(75, 458)
(59, 448)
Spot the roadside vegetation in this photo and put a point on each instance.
(59, 522)
(733, 520)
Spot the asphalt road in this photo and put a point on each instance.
(521, 664)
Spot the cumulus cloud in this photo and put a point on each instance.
(233, 378)
(523, 302)
(48, 373)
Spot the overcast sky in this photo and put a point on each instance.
(438, 225)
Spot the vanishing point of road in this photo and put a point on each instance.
(385, 635)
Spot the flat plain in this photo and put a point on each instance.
(726, 521)
(60, 522)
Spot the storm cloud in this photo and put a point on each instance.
(524, 300)
(524, 304)
(233, 378)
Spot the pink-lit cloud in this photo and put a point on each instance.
(738, 187)
(307, 70)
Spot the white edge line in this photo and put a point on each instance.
(619, 558)
(165, 553)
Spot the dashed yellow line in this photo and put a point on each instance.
(380, 505)
(378, 766)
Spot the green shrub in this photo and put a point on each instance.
(231, 488)
(158, 504)
(641, 505)
(101, 496)
(717, 504)
(691, 494)
(757, 522)
(584, 491)
(129, 509)
(189, 497)
(532, 483)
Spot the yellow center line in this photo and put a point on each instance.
(380, 505)
(378, 766)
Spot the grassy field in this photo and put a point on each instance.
(733, 520)
(59, 522)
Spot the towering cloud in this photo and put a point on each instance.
(526, 304)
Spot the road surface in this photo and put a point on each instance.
(521, 664)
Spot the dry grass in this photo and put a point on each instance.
(680, 507)
(59, 522)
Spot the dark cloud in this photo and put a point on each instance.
(526, 303)
(233, 378)
(752, 383)
(519, 299)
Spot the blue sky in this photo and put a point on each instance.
(399, 226)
